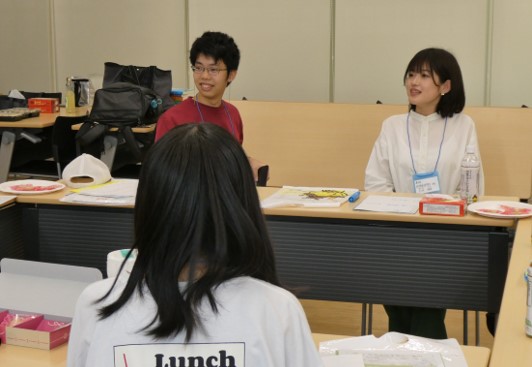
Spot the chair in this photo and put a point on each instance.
(263, 175)
(63, 150)
(32, 157)
(127, 171)
(122, 150)
(64, 141)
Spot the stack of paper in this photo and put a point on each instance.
(115, 192)
(390, 204)
(308, 197)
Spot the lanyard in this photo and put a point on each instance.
(226, 112)
(410, 146)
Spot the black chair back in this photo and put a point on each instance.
(64, 140)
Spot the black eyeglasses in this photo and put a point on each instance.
(212, 71)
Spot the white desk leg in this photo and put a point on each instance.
(110, 143)
(6, 153)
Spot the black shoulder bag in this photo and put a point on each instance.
(146, 76)
(120, 105)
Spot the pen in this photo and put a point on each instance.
(354, 197)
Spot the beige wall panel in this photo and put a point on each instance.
(376, 39)
(284, 45)
(511, 82)
(138, 32)
(25, 46)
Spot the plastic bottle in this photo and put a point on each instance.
(70, 96)
(528, 321)
(470, 171)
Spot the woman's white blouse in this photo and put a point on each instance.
(390, 164)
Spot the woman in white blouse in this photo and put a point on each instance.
(421, 151)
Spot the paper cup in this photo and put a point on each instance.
(115, 259)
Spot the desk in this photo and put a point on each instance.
(25, 129)
(113, 139)
(410, 260)
(511, 346)
(11, 231)
(323, 253)
(14, 356)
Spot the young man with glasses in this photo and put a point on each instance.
(214, 58)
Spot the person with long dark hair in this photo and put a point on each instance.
(203, 290)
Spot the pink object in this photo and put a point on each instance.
(10, 319)
(39, 332)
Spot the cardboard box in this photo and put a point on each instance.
(436, 204)
(8, 319)
(38, 332)
(46, 292)
(46, 105)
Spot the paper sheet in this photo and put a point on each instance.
(114, 189)
(100, 200)
(5, 198)
(390, 204)
(308, 197)
(117, 192)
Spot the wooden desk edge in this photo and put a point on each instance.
(511, 346)
(344, 211)
(136, 129)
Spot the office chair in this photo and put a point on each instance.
(127, 171)
(32, 157)
(55, 151)
(263, 175)
(64, 141)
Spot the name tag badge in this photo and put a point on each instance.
(426, 183)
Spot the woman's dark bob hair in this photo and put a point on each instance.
(196, 210)
(445, 66)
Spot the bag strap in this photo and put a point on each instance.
(131, 142)
(89, 132)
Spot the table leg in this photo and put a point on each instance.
(6, 152)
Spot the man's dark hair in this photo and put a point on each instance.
(219, 46)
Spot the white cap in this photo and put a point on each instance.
(470, 149)
(86, 170)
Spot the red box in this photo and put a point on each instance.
(46, 105)
(435, 204)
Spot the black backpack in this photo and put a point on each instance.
(120, 105)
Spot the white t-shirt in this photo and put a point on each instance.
(258, 324)
(390, 164)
